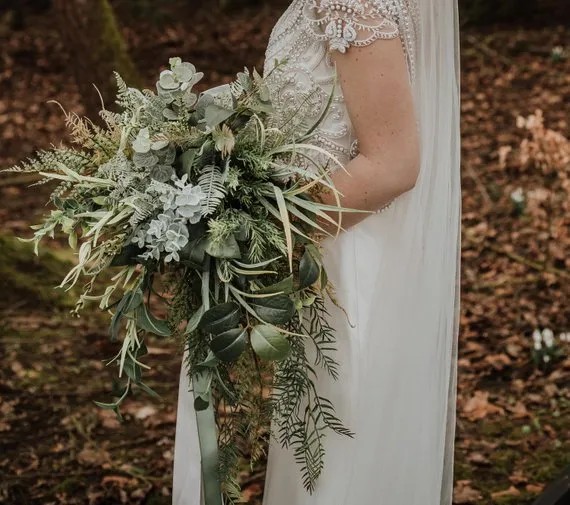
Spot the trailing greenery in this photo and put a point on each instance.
(210, 197)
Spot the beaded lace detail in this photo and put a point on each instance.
(351, 22)
(304, 37)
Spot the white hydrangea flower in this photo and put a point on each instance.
(188, 199)
(157, 227)
(176, 239)
(188, 203)
(168, 232)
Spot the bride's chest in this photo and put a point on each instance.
(303, 83)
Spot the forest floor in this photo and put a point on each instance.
(513, 430)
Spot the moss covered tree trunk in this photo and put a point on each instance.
(96, 47)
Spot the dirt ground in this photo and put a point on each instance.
(513, 431)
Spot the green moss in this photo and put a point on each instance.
(27, 280)
(546, 465)
(463, 470)
(523, 499)
(111, 47)
(69, 485)
(503, 460)
(536, 456)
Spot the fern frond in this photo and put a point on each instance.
(212, 183)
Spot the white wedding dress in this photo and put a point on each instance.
(396, 274)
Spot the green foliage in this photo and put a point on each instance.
(301, 415)
(200, 192)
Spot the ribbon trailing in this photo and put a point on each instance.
(208, 439)
(205, 417)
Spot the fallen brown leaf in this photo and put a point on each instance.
(512, 491)
(478, 407)
(464, 494)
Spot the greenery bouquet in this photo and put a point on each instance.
(207, 205)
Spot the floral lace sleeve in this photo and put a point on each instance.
(345, 23)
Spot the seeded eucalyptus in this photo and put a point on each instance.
(207, 193)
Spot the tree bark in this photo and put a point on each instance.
(96, 47)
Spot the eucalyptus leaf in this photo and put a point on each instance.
(130, 301)
(133, 370)
(227, 250)
(284, 286)
(214, 115)
(229, 345)
(194, 252)
(187, 160)
(201, 403)
(278, 309)
(148, 322)
(148, 390)
(309, 270)
(268, 343)
(195, 320)
(220, 318)
(211, 360)
(133, 300)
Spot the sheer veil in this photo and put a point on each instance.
(434, 217)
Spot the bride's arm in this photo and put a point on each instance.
(377, 91)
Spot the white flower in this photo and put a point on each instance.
(188, 199)
(548, 337)
(537, 336)
(546, 358)
(224, 140)
(517, 195)
(558, 51)
(168, 200)
(176, 239)
(157, 227)
(564, 337)
(537, 346)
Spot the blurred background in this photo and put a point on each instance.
(513, 432)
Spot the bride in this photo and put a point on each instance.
(394, 125)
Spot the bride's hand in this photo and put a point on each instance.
(377, 91)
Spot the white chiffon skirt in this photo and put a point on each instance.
(396, 390)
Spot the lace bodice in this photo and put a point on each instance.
(304, 36)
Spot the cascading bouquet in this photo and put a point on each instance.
(214, 199)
